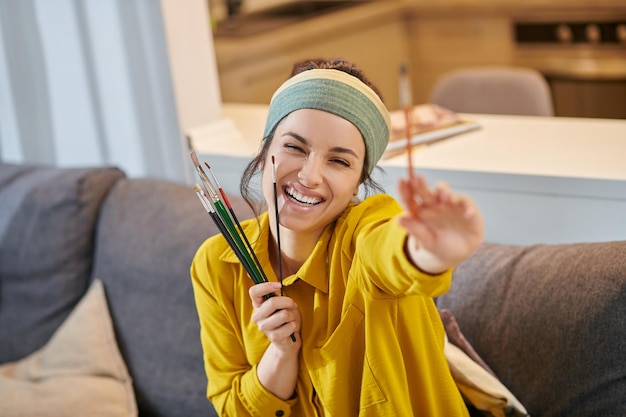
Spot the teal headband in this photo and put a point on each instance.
(339, 93)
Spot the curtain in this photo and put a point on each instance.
(88, 83)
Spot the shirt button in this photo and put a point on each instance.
(280, 413)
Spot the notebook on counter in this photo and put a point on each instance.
(430, 123)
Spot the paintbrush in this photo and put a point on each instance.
(406, 102)
(237, 223)
(280, 252)
(280, 256)
(219, 207)
(222, 228)
(225, 224)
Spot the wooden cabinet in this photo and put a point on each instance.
(589, 98)
(440, 44)
(373, 35)
(433, 38)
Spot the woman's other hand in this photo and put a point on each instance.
(445, 227)
(278, 318)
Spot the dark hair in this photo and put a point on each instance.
(370, 186)
(337, 64)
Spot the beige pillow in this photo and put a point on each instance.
(482, 389)
(79, 372)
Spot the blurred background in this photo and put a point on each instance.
(92, 82)
(579, 46)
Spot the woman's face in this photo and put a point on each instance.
(319, 161)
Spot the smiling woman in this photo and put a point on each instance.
(357, 273)
(320, 158)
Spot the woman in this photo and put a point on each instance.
(359, 277)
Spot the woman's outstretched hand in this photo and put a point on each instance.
(444, 228)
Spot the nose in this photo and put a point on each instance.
(310, 175)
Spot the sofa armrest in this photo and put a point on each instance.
(549, 320)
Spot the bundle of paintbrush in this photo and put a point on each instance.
(230, 227)
(224, 217)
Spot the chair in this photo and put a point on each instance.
(494, 90)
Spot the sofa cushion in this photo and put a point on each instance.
(79, 372)
(148, 234)
(549, 320)
(47, 223)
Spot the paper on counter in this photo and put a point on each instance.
(429, 123)
(434, 135)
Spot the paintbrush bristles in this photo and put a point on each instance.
(206, 183)
(213, 175)
(202, 198)
(221, 190)
(406, 98)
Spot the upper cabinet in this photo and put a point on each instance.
(255, 59)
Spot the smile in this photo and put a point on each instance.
(301, 199)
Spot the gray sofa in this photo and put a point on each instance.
(549, 320)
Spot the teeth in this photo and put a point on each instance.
(300, 198)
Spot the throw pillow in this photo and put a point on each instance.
(79, 372)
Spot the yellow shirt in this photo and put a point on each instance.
(372, 339)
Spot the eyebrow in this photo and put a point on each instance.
(333, 149)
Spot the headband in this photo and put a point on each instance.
(339, 93)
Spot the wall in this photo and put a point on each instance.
(87, 83)
(192, 61)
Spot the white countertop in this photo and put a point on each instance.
(552, 146)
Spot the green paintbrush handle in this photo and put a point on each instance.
(221, 210)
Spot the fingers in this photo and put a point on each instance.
(277, 317)
(420, 233)
(279, 325)
(445, 196)
(259, 291)
(407, 197)
(416, 191)
(421, 190)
